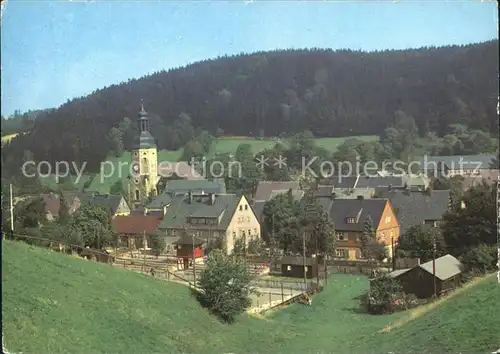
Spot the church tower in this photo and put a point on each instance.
(144, 175)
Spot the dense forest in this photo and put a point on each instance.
(330, 93)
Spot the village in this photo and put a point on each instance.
(167, 226)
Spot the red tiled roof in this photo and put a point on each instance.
(136, 224)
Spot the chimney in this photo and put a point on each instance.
(212, 198)
(190, 197)
(360, 197)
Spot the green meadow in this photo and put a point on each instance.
(53, 303)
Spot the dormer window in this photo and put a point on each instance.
(350, 220)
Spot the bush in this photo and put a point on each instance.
(383, 297)
(480, 260)
(225, 285)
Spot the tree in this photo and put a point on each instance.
(473, 225)
(115, 138)
(481, 259)
(419, 240)
(91, 226)
(30, 213)
(277, 213)
(454, 185)
(380, 299)
(64, 216)
(158, 243)
(225, 285)
(239, 247)
(371, 249)
(317, 224)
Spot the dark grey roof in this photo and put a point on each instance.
(296, 260)
(184, 186)
(197, 186)
(185, 239)
(265, 189)
(325, 203)
(343, 182)
(453, 162)
(413, 208)
(380, 181)
(108, 201)
(258, 208)
(181, 208)
(342, 209)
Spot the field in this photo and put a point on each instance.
(230, 144)
(55, 303)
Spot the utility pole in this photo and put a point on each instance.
(393, 254)
(144, 250)
(305, 263)
(434, 265)
(194, 262)
(317, 260)
(11, 213)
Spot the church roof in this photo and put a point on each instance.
(145, 140)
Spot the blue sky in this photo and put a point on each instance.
(54, 51)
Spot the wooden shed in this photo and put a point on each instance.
(419, 280)
(293, 266)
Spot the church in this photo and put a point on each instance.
(143, 176)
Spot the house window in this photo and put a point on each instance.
(382, 236)
(136, 153)
(248, 218)
(342, 253)
(340, 236)
(249, 232)
(350, 220)
(241, 207)
(173, 232)
(359, 254)
(305, 269)
(137, 195)
(387, 219)
(288, 268)
(246, 207)
(255, 231)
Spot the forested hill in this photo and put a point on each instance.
(331, 93)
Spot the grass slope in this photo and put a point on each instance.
(55, 303)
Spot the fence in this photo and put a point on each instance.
(365, 270)
(278, 284)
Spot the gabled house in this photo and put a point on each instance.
(134, 229)
(227, 217)
(416, 208)
(53, 204)
(419, 280)
(349, 217)
(115, 205)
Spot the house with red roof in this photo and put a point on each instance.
(133, 229)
